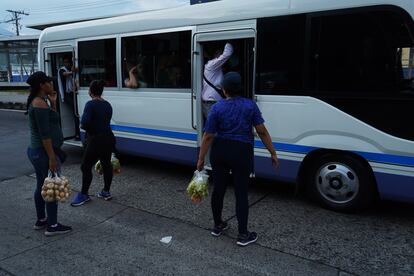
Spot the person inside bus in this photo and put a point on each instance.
(212, 77)
(229, 132)
(165, 72)
(100, 142)
(136, 75)
(44, 151)
(67, 89)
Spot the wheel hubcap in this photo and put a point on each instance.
(337, 183)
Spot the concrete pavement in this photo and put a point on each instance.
(113, 238)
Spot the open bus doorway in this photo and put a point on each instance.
(67, 108)
(240, 61)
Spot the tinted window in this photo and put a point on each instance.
(158, 61)
(361, 53)
(362, 64)
(97, 60)
(281, 45)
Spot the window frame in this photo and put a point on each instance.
(96, 38)
(191, 29)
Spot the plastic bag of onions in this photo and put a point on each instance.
(56, 188)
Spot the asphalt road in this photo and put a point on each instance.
(122, 237)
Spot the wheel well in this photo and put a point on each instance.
(313, 155)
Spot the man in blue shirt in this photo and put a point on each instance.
(229, 130)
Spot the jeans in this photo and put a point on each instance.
(236, 156)
(40, 161)
(98, 147)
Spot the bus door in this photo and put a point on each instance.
(241, 61)
(53, 58)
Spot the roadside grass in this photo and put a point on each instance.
(14, 90)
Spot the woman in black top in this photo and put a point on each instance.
(100, 142)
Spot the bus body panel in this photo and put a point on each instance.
(314, 123)
(395, 187)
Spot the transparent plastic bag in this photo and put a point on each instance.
(56, 188)
(116, 166)
(198, 187)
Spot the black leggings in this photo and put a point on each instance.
(236, 156)
(98, 147)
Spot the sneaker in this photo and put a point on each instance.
(218, 230)
(80, 199)
(40, 224)
(57, 230)
(104, 195)
(246, 239)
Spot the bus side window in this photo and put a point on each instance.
(157, 60)
(362, 52)
(97, 60)
(280, 55)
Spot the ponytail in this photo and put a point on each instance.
(30, 98)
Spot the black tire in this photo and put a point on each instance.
(331, 180)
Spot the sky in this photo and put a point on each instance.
(46, 11)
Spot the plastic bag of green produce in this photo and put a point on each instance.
(198, 187)
(116, 166)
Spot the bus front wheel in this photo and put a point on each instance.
(341, 183)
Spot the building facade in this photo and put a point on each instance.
(18, 59)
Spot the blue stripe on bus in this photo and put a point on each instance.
(402, 188)
(388, 158)
(370, 156)
(286, 147)
(156, 132)
(373, 157)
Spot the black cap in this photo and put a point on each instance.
(232, 82)
(37, 78)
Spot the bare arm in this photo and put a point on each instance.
(205, 145)
(69, 73)
(267, 141)
(132, 81)
(52, 98)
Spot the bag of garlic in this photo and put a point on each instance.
(56, 188)
(116, 166)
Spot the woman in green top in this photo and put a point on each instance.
(45, 141)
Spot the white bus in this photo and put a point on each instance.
(332, 78)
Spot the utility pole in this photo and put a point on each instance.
(15, 18)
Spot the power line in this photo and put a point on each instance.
(16, 18)
(96, 4)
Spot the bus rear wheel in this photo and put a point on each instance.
(341, 183)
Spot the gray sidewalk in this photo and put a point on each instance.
(13, 100)
(114, 238)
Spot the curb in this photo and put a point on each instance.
(12, 105)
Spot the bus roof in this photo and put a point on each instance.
(211, 12)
